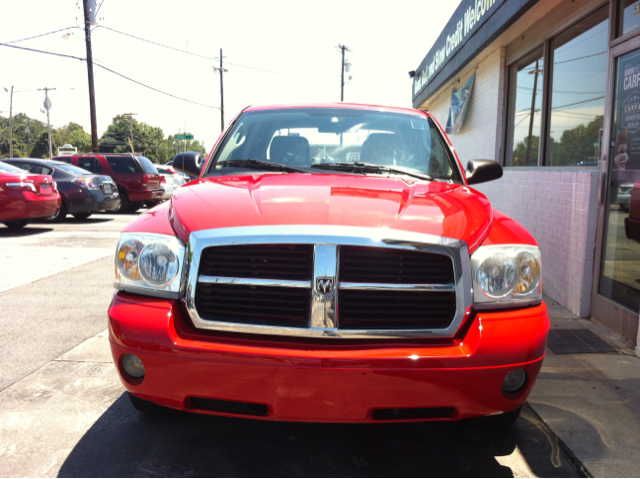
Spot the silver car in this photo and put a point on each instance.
(624, 195)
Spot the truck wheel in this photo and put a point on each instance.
(124, 202)
(148, 407)
(135, 206)
(16, 224)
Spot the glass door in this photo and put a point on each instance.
(617, 299)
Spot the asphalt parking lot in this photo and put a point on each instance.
(63, 411)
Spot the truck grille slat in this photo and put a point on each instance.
(288, 261)
(275, 306)
(386, 265)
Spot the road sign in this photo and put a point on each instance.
(184, 137)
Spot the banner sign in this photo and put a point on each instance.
(458, 108)
(627, 135)
(469, 16)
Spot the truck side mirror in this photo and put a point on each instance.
(479, 171)
(189, 162)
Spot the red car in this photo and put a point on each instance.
(135, 176)
(25, 197)
(330, 264)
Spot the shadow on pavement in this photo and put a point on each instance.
(126, 443)
(28, 230)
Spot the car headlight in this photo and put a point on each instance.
(149, 264)
(506, 276)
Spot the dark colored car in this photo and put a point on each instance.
(25, 197)
(83, 193)
(137, 179)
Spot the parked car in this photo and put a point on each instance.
(179, 178)
(25, 197)
(83, 193)
(135, 176)
(168, 181)
(624, 195)
(632, 222)
(379, 290)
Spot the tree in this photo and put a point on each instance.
(148, 140)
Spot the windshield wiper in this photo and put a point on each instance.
(369, 167)
(260, 165)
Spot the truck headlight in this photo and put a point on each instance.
(506, 276)
(149, 264)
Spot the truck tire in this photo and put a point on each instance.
(148, 407)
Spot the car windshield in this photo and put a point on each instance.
(6, 168)
(329, 140)
(71, 169)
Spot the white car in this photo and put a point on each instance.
(179, 178)
(167, 181)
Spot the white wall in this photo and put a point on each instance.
(480, 135)
(558, 206)
(560, 209)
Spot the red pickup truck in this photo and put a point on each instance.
(301, 280)
(135, 176)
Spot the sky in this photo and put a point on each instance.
(275, 52)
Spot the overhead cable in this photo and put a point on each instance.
(112, 71)
(211, 58)
(41, 35)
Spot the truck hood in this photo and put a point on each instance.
(453, 211)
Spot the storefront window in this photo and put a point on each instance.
(528, 79)
(620, 280)
(577, 93)
(629, 16)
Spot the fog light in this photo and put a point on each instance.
(514, 381)
(133, 366)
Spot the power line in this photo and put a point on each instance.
(41, 35)
(210, 58)
(155, 89)
(112, 71)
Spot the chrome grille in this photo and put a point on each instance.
(320, 281)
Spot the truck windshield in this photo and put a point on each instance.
(350, 139)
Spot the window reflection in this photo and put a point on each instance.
(528, 111)
(578, 92)
(629, 16)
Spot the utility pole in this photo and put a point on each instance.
(221, 70)
(343, 48)
(11, 124)
(92, 94)
(535, 73)
(47, 106)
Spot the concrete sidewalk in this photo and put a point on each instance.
(591, 402)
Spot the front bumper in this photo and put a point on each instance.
(319, 382)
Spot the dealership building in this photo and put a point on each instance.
(551, 90)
